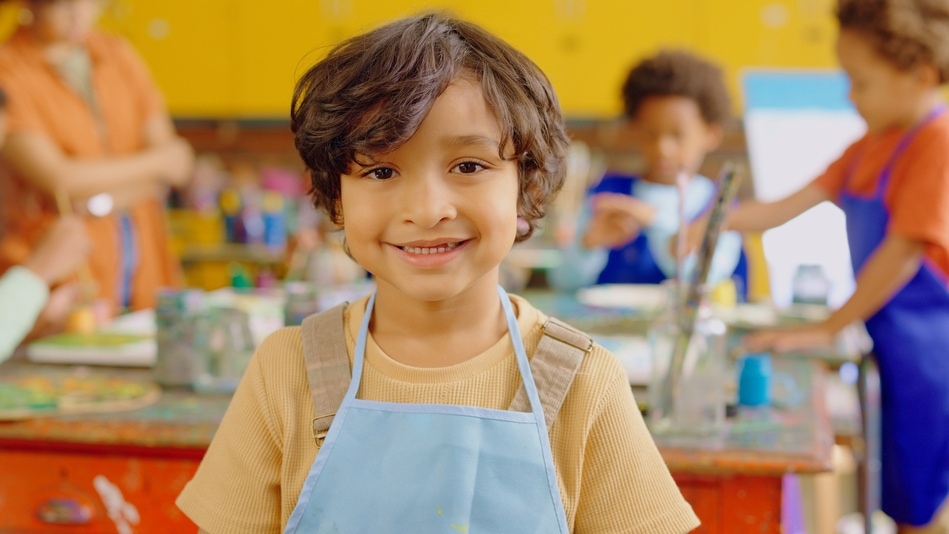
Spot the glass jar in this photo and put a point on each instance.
(223, 345)
(302, 300)
(175, 315)
(810, 285)
(686, 393)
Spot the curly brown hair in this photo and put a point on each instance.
(905, 32)
(372, 92)
(678, 73)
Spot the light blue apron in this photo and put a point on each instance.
(911, 342)
(390, 467)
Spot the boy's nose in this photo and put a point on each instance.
(666, 146)
(427, 200)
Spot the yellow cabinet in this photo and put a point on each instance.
(240, 58)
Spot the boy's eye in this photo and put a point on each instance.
(468, 167)
(380, 173)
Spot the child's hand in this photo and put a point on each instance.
(694, 233)
(802, 338)
(61, 251)
(617, 219)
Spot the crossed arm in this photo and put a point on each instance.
(165, 160)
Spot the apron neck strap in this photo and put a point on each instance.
(901, 147)
(554, 366)
(327, 365)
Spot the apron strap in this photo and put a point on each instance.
(327, 365)
(554, 366)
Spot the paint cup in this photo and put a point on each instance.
(755, 380)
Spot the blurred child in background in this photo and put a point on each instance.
(893, 186)
(676, 106)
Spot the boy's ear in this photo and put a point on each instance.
(714, 137)
(928, 75)
(338, 219)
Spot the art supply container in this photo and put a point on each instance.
(223, 345)
(302, 300)
(810, 285)
(175, 315)
(692, 401)
(755, 386)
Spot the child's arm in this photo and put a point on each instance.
(616, 220)
(579, 266)
(46, 166)
(895, 261)
(607, 221)
(757, 216)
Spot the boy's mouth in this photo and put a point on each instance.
(445, 247)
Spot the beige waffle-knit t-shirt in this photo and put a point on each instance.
(611, 476)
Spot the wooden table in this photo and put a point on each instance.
(63, 474)
(145, 457)
(733, 481)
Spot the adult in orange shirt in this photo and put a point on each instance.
(87, 123)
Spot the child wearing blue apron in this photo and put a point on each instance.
(893, 186)
(438, 403)
(676, 106)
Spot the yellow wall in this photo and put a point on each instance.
(225, 58)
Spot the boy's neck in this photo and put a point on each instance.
(438, 334)
(660, 181)
(921, 109)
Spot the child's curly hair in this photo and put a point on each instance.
(905, 32)
(372, 92)
(678, 73)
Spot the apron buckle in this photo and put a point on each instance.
(566, 336)
(320, 431)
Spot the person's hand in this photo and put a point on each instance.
(693, 234)
(615, 220)
(61, 251)
(801, 338)
(177, 161)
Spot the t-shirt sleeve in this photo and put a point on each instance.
(918, 198)
(237, 486)
(22, 297)
(579, 267)
(833, 178)
(626, 486)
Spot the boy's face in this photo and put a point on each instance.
(3, 126)
(435, 217)
(885, 96)
(672, 135)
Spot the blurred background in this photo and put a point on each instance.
(238, 59)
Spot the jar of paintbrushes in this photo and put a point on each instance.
(686, 393)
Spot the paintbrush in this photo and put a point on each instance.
(682, 183)
(728, 186)
(87, 284)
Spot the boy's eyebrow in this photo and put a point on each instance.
(474, 139)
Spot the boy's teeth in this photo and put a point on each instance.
(430, 250)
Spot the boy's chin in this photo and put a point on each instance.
(661, 178)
